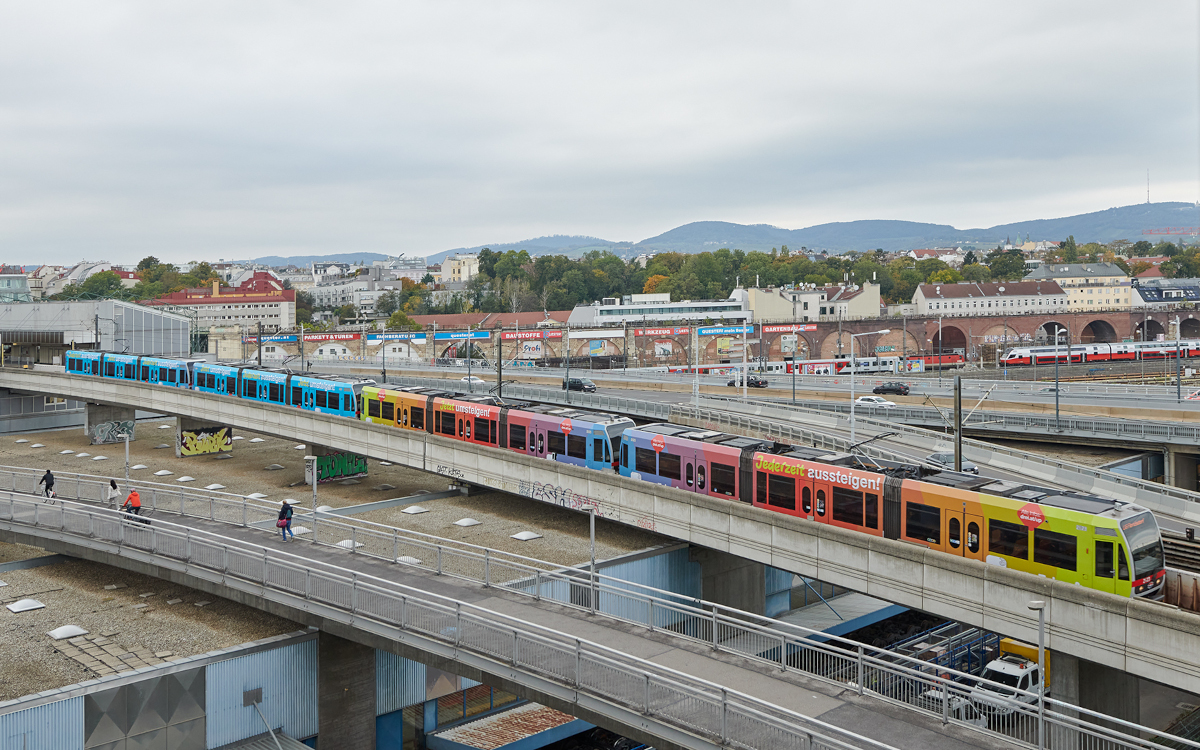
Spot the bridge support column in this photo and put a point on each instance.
(194, 437)
(1095, 687)
(345, 694)
(107, 424)
(731, 580)
(1181, 469)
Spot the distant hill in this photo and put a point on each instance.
(1126, 222)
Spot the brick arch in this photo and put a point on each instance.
(681, 352)
(772, 345)
(1098, 331)
(1151, 328)
(948, 338)
(1046, 331)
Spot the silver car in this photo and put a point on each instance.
(945, 461)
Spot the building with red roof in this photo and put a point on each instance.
(259, 299)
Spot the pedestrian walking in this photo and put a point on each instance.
(285, 520)
(114, 494)
(48, 480)
(133, 503)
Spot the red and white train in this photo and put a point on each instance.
(1080, 353)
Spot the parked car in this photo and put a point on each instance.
(579, 384)
(753, 381)
(873, 401)
(946, 461)
(896, 387)
(473, 379)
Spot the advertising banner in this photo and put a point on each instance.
(530, 350)
(602, 334)
(527, 335)
(414, 336)
(596, 348)
(790, 328)
(664, 348)
(787, 343)
(283, 338)
(454, 335)
(661, 331)
(725, 330)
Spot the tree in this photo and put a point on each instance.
(653, 282)
(1167, 249)
(148, 262)
(976, 272)
(428, 279)
(1141, 248)
(401, 320)
(101, 285)
(945, 276)
(345, 312)
(1006, 266)
(970, 258)
(1069, 250)
(387, 303)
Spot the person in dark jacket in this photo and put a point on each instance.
(285, 520)
(48, 480)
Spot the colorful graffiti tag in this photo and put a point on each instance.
(335, 466)
(205, 442)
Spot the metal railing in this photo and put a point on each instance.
(880, 673)
(665, 697)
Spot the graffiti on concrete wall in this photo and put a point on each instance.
(206, 441)
(335, 466)
(549, 493)
(111, 432)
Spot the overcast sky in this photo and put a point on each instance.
(234, 129)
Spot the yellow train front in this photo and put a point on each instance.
(1095, 542)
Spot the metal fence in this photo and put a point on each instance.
(941, 691)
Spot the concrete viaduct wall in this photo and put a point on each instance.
(1151, 640)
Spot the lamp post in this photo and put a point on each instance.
(470, 346)
(853, 370)
(941, 346)
(1058, 332)
(310, 465)
(1040, 608)
(1178, 381)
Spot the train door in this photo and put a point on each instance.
(689, 471)
(537, 440)
(701, 474)
(1105, 565)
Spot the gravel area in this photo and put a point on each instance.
(15, 552)
(74, 594)
(565, 532)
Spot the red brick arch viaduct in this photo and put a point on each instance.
(920, 334)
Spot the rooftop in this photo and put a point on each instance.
(971, 289)
(1075, 270)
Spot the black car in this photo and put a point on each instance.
(579, 384)
(753, 381)
(945, 461)
(899, 389)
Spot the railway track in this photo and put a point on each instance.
(1182, 554)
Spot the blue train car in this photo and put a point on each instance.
(83, 363)
(162, 371)
(571, 436)
(213, 378)
(328, 395)
(264, 385)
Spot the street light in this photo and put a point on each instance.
(853, 369)
(1058, 332)
(1178, 380)
(1040, 608)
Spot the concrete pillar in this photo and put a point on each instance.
(1064, 686)
(1095, 687)
(194, 437)
(1182, 471)
(731, 580)
(346, 694)
(108, 424)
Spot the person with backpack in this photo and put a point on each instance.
(285, 520)
(114, 494)
(48, 480)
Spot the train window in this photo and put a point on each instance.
(847, 506)
(670, 466)
(110, 369)
(1010, 539)
(321, 399)
(464, 427)
(373, 408)
(231, 386)
(724, 479)
(972, 537)
(387, 410)
(145, 373)
(923, 522)
(598, 449)
(1104, 559)
(782, 492)
(531, 441)
(806, 500)
(170, 376)
(690, 475)
(700, 476)
(872, 511)
(297, 396)
(1122, 564)
(276, 393)
(348, 401)
(445, 423)
(418, 418)
(483, 432)
(646, 461)
(556, 442)
(577, 446)
(760, 487)
(460, 428)
(821, 503)
(625, 455)
(954, 532)
(516, 437)
(1055, 549)
(129, 368)
(541, 445)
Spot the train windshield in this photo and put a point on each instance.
(1142, 536)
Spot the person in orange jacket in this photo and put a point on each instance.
(133, 503)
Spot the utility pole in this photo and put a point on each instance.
(745, 365)
(567, 351)
(958, 422)
(258, 343)
(470, 346)
(500, 365)
(303, 364)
